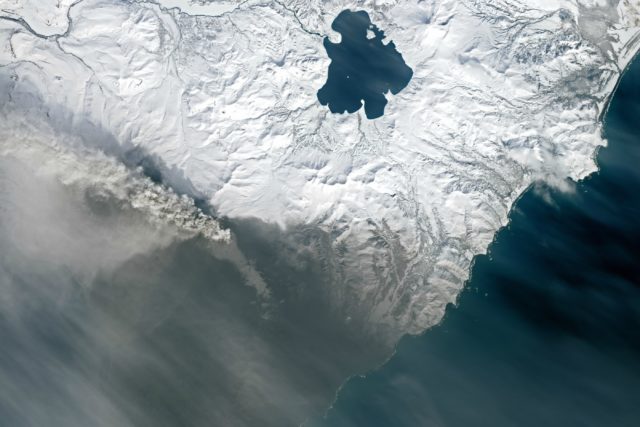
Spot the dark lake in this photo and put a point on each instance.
(363, 68)
(547, 331)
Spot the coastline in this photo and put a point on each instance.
(469, 284)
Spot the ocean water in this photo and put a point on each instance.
(363, 68)
(547, 330)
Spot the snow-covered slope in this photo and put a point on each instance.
(224, 106)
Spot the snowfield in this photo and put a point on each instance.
(220, 101)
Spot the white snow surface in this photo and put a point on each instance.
(504, 93)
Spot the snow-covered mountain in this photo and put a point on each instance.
(218, 101)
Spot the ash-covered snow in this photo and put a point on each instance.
(221, 99)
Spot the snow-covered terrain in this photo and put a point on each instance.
(221, 100)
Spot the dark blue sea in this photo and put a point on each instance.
(547, 330)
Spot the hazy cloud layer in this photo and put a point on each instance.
(121, 303)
